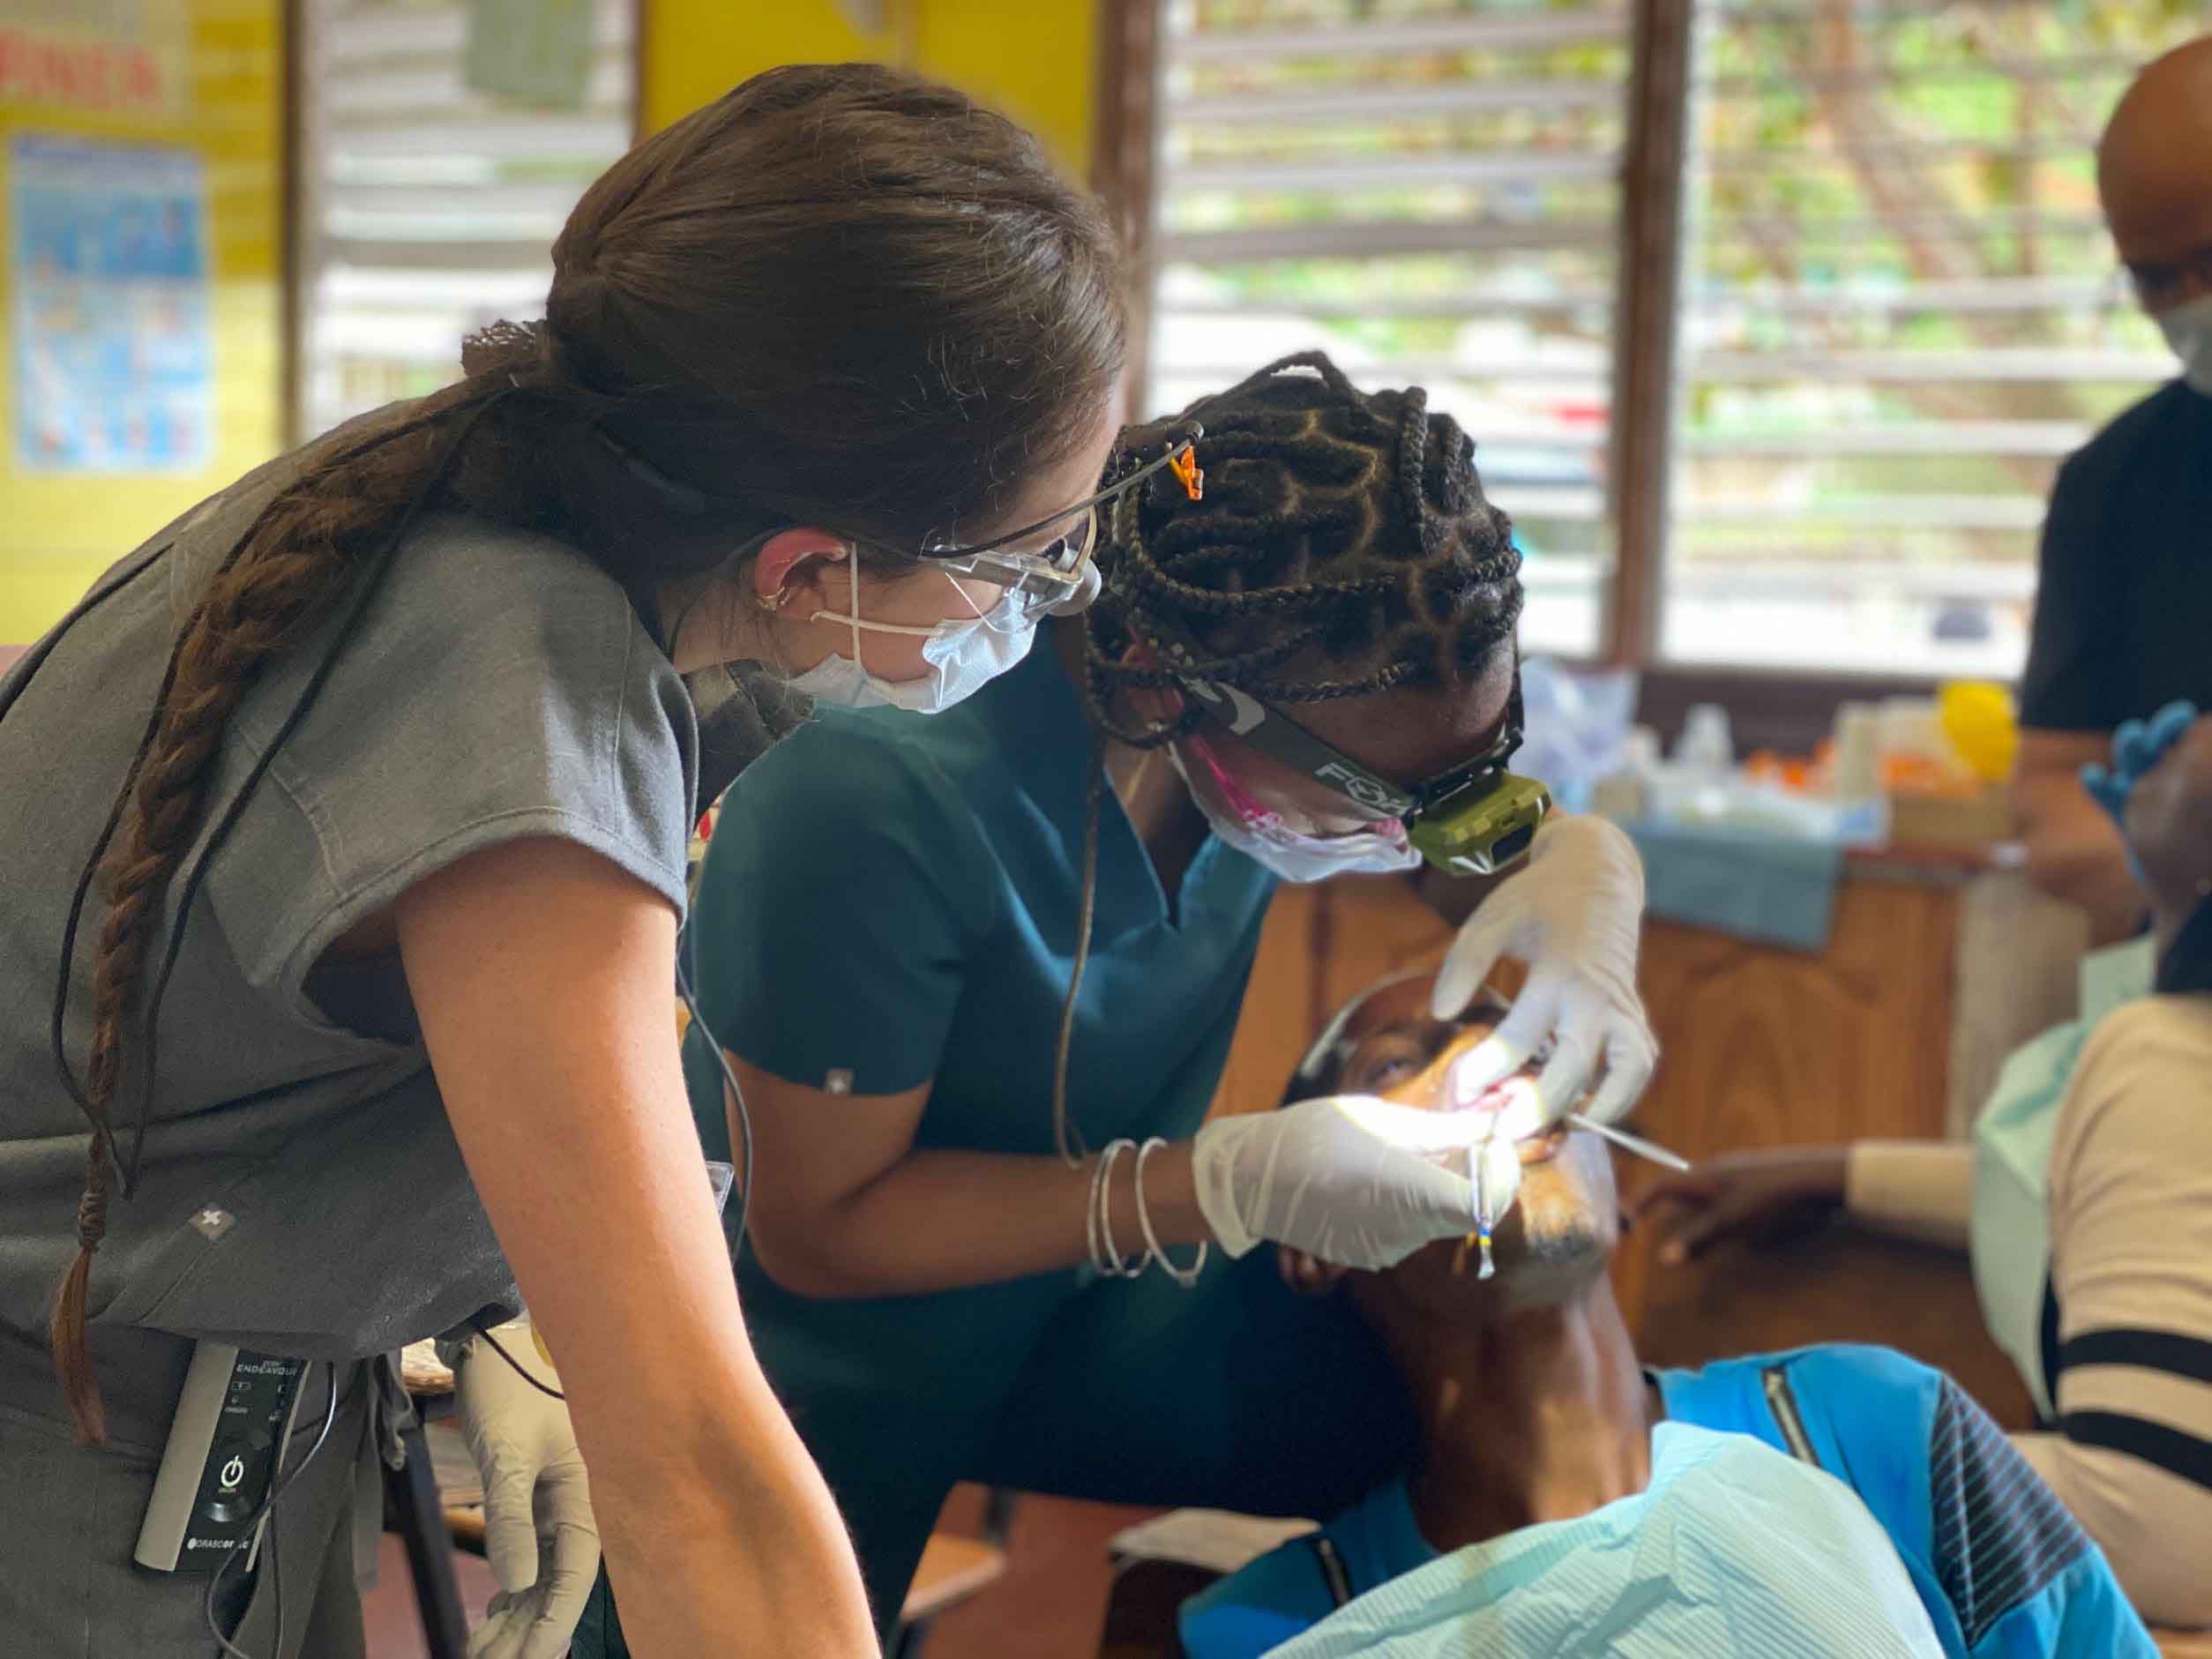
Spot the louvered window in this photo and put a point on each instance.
(1431, 194)
(428, 205)
(1895, 306)
(1900, 311)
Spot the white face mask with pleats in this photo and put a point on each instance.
(963, 654)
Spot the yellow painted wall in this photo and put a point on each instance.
(695, 50)
(1034, 59)
(58, 532)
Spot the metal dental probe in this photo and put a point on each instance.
(1627, 1142)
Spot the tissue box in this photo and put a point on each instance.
(1967, 818)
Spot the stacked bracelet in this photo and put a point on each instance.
(1099, 1227)
(1187, 1277)
(1106, 1255)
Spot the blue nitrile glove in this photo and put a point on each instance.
(2137, 746)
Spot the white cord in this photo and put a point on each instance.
(1187, 1277)
(265, 1515)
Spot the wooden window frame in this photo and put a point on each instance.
(1769, 708)
(1124, 150)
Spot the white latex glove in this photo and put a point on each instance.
(539, 1533)
(1573, 914)
(1347, 1179)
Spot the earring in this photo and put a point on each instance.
(774, 602)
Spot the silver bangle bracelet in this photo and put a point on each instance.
(1106, 1256)
(1187, 1277)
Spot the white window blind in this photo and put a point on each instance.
(1430, 192)
(1900, 311)
(428, 207)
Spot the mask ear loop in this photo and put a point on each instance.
(851, 616)
(852, 599)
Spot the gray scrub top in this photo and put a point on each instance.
(501, 686)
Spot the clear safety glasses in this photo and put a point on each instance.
(1037, 581)
(1058, 574)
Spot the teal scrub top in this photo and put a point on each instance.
(892, 897)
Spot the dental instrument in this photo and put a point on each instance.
(1627, 1142)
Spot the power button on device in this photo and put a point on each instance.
(232, 1475)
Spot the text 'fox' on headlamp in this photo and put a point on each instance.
(1475, 819)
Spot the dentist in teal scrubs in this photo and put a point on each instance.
(978, 1244)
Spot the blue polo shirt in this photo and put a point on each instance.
(2003, 1570)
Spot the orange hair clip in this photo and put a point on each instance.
(1185, 468)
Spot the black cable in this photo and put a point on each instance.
(516, 1366)
(744, 1187)
(368, 584)
(86, 879)
(57, 1028)
(263, 1516)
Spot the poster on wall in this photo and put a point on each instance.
(113, 323)
(534, 52)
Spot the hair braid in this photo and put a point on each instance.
(294, 558)
(1413, 445)
(156, 720)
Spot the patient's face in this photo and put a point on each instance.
(1563, 1225)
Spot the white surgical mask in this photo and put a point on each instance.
(963, 655)
(1262, 836)
(2188, 331)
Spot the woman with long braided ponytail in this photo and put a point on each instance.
(981, 1086)
(346, 833)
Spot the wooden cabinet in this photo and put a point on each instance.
(1764, 1047)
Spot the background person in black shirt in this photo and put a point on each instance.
(2124, 614)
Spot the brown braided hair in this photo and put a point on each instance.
(1344, 546)
(838, 295)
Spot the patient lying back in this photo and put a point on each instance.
(1549, 1455)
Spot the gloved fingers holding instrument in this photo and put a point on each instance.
(1573, 916)
(539, 1535)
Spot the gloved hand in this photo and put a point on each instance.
(1347, 1178)
(539, 1533)
(2137, 746)
(1572, 914)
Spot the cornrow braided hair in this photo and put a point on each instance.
(1343, 547)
